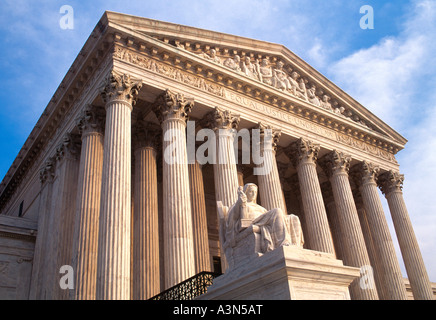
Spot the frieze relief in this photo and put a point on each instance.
(171, 72)
(281, 115)
(190, 79)
(343, 138)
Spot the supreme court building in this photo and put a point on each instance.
(91, 190)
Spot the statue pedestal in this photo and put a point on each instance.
(287, 273)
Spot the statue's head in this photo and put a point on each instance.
(250, 190)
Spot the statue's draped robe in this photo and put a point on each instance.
(276, 229)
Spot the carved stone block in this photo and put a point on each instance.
(286, 273)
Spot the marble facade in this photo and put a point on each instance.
(92, 187)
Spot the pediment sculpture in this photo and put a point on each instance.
(248, 229)
(275, 75)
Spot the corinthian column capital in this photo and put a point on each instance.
(47, 172)
(275, 134)
(302, 150)
(335, 162)
(171, 105)
(69, 148)
(390, 181)
(120, 87)
(91, 119)
(146, 134)
(222, 119)
(364, 172)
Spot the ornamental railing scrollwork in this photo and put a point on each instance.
(188, 289)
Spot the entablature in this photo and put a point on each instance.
(192, 69)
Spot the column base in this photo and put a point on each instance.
(287, 273)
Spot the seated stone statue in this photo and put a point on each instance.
(248, 229)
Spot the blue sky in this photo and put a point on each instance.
(390, 69)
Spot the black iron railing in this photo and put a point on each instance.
(188, 289)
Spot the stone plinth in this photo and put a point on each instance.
(287, 273)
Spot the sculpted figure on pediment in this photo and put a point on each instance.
(281, 81)
(249, 69)
(213, 57)
(265, 72)
(301, 89)
(363, 123)
(311, 92)
(293, 83)
(356, 118)
(325, 103)
(348, 114)
(276, 77)
(233, 63)
(340, 111)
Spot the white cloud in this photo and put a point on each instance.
(395, 79)
(317, 54)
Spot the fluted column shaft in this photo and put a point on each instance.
(62, 227)
(303, 154)
(391, 185)
(224, 123)
(336, 166)
(270, 189)
(172, 110)
(394, 288)
(199, 219)
(372, 253)
(85, 246)
(226, 174)
(295, 187)
(113, 270)
(41, 254)
(333, 219)
(145, 225)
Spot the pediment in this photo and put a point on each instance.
(263, 70)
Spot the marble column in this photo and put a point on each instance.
(67, 157)
(199, 218)
(336, 165)
(297, 205)
(41, 255)
(145, 226)
(270, 189)
(113, 269)
(282, 168)
(365, 177)
(303, 154)
(172, 111)
(370, 246)
(85, 245)
(224, 124)
(332, 215)
(391, 184)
